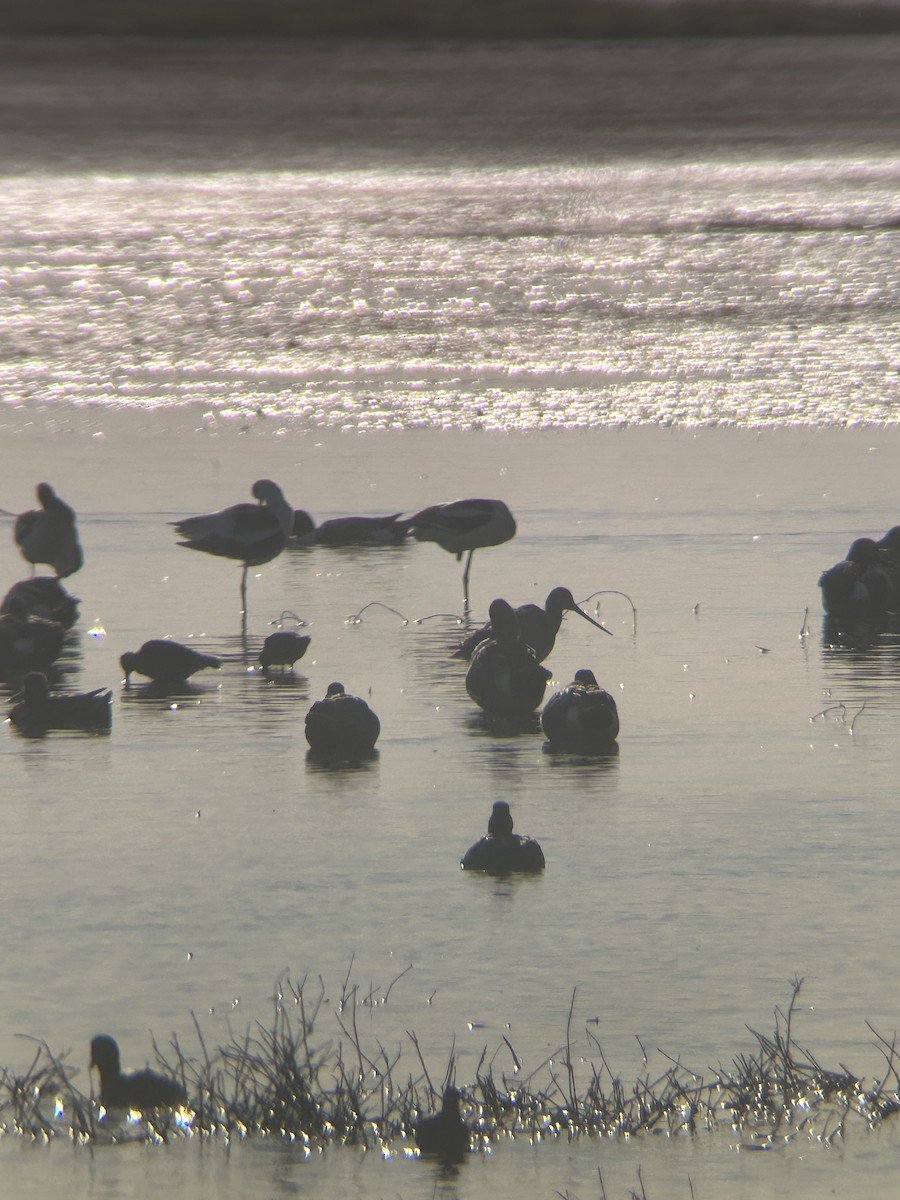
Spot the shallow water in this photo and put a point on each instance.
(171, 337)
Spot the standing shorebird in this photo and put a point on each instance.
(464, 526)
(583, 717)
(140, 1090)
(251, 534)
(504, 677)
(49, 534)
(537, 626)
(282, 649)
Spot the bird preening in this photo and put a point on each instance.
(462, 527)
(49, 534)
(251, 534)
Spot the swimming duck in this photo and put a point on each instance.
(39, 709)
(581, 717)
(858, 587)
(537, 626)
(248, 533)
(140, 1090)
(341, 726)
(49, 534)
(282, 649)
(445, 1134)
(27, 643)
(503, 852)
(464, 526)
(165, 662)
(504, 677)
(42, 596)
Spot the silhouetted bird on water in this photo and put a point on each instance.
(582, 717)
(38, 709)
(446, 1135)
(341, 726)
(42, 596)
(504, 677)
(248, 533)
(141, 1090)
(49, 534)
(503, 852)
(349, 531)
(537, 626)
(166, 663)
(860, 586)
(282, 649)
(27, 643)
(462, 527)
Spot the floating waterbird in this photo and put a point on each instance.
(282, 649)
(349, 531)
(537, 626)
(27, 643)
(341, 726)
(38, 709)
(859, 587)
(464, 526)
(248, 533)
(140, 1090)
(445, 1134)
(49, 534)
(503, 852)
(582, 717)
(504, 677)
(165, 662)
(42, 596)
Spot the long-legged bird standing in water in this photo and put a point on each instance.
(251, 534)
(462, 527)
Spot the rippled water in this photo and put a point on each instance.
(380, 325)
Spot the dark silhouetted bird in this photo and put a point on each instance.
(537, 626)
(349, 531)
(462, 527)
(42, 596)
(503, 852)
(49, 534)
(341, 726)
(282, 649)
(859, 587)
(167, 663)
(38, 709)
(582, 716)
(251, 534)
(445, 1134)
(504, 677)
(140, 1090)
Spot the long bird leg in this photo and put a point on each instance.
(466, 580)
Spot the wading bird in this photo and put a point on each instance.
(251, 534)
(282, 649)
(582, 717)
(49, 534)
(537, 626)
(462, 527)
(167, 663)
(503, 852)
(504, 677)
(140, 1090)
